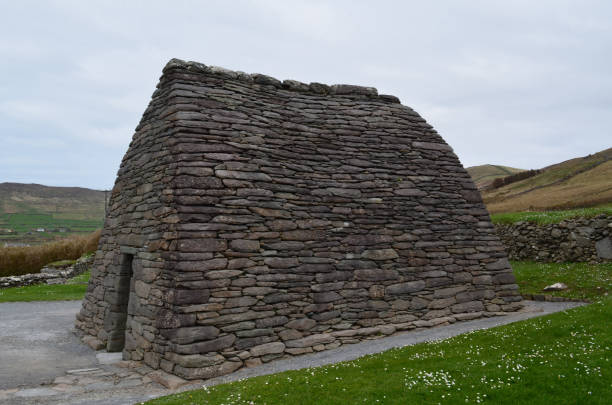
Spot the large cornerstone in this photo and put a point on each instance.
(254, 219)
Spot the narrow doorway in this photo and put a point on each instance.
(118, 311)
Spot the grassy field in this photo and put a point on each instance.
(26, 222)
(550, 217)
(564, 358)
(584, 281)
(60, 211)
(74, 289)
(580, 182)
(23, 227)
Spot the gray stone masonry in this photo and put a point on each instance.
(573, 240)
(254, 219)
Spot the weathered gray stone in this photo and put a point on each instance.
(471, 306)
(303, 235)
(312, 340)
(604, 248)
(375, 274)
(380, 254)
(242, 245)
(240, 302)
(267, 348)
(328, 296)
(405, 288)
(191, 334)
(207, 372)
(205, 347)
(183, 297)
(232, 174)
(442, 303)
(289, 334)
(167, 380)
(271, 322)
(258, 290)
(302, 324)
(498, 265)
(281, 262)
(195, 360)
(202, 245)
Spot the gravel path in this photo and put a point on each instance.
(38, 335)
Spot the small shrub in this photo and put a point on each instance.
(16, 261)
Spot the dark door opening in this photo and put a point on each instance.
(118, 311)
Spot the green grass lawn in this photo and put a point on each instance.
(585, 281)
(564, 358)
(550, 217)
(74, 289)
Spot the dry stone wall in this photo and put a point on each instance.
(573, 240)
(48, 275)
(255, 219)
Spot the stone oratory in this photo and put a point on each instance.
(254, 219)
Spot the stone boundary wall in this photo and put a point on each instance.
(48, 275)
(573, 240)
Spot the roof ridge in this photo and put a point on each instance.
(293, 85)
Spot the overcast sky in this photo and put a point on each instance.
(522, 84)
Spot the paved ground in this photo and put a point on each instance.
(37, 344)
(37, 347)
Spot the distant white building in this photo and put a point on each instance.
(40, 229)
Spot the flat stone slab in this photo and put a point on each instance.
(109, 358)
(129, 382)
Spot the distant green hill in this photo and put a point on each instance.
(574, 183)
(484, 175)
(27, 209)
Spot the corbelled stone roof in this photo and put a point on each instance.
(253, 219)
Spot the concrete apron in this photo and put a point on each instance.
(39, 353)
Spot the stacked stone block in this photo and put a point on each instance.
(263, 219)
